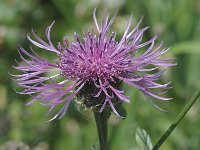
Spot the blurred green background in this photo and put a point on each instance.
(178, 24)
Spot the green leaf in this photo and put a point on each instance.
(178, 119)
(190, 47)
(143, 139)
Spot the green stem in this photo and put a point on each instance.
(178, 119)
(102, 127)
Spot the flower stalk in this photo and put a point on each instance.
(101, 120)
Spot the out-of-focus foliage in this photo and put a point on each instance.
(178, 24)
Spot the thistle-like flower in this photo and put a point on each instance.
(93, 68)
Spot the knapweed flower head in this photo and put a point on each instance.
(93, 67)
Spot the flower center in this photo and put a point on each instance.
(88, 67)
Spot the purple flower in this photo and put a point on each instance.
(94, 65)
